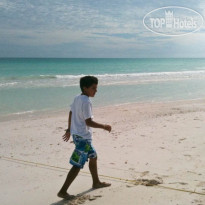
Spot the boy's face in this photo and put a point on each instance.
(90, 92)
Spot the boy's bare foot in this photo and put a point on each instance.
(101, 185)
(65, 196)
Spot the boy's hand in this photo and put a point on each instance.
(108, 128)
(66, 136)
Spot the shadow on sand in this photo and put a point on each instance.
(65, 202)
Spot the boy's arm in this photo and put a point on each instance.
(69, 120)
(91, 123)
(66, 136)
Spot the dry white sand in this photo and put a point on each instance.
(160, 141)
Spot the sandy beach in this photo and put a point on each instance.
(154, 141)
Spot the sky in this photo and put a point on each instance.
(92, 29)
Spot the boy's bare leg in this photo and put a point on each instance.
(70, 177)
(94, 172)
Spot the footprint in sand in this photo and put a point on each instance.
(182, 183)
(82, 199)
(187, 155)
(144, 173)
(197, 201)
(59, 128)
(201, 184)
(129, 186)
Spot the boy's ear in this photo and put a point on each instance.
(84, 88)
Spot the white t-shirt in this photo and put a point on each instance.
(81, 109)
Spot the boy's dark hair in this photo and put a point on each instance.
(87, 81)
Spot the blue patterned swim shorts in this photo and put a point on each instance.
(83, 150)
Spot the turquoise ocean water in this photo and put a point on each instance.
(32, 85)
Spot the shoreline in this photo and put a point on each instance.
(32, 114)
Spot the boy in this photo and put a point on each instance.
(80, 122)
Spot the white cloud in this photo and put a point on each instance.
(40, 37)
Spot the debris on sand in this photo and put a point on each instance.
(148, 182)
(81, 199)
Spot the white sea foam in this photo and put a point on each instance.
(181, 73)
(23, 113)
(8, 84)
(69, 76)
(104, 79)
